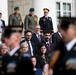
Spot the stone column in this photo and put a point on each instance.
(50, 4)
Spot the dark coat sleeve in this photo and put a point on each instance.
(3, 22)
(40, 23)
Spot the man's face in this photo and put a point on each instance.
(33, 61)
(16, 11)
(0, 15)
(28, 36)
(45, 13)
(32, 13)
(37, 29)
(11, 40)
(47, 36)
(69, 34)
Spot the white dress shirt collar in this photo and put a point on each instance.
(11, 53)
(48, 42)
(70, 44)
(37, 34)
(59, 34)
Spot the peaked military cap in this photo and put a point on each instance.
(66, 22)
(31, 9)
(8, 30)
(46, 10)
(16, 8)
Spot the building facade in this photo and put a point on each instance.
(57, 8)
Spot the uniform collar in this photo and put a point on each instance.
(70, 44)
(11, 53)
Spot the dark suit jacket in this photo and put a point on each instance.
(3, 22)
(56, 38)
(46, 24)
(51, 46)
(35, 39)
(33, 46)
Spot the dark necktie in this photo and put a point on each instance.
(29, 48)
(39, 38)
(49, 47)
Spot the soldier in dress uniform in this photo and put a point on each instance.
(46, 21)
(63, 61)
(15, 18)
(31, 20)
(13, 63)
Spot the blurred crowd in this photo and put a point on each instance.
(41, 51)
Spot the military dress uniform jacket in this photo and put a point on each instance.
(30, 22)
(15, 20)
(66, 64)
(46, 23)
(16, 64)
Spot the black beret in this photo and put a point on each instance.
(16, 8)
(31, 9)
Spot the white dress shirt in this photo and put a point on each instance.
(70, 44)
(30, 47)
(60, 34)
(11, 53)
(37, 34)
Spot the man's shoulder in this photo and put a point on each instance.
(11, 15)
(35, 15)
(42, 17)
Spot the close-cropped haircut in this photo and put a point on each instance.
(27, 31)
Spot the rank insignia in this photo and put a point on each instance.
(71, 64)
(50, 19)
(11, 67)
(36, 19)
(44, 19)
(16, 54)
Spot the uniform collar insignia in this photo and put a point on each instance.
(11, 67)
(74, 48)
(16, 54)
(44, 19)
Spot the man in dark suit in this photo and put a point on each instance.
(56, 37)
(2, 24)
(46, 21)
(31, 44)
(13, 63)
(47, 41)
(37, 38)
